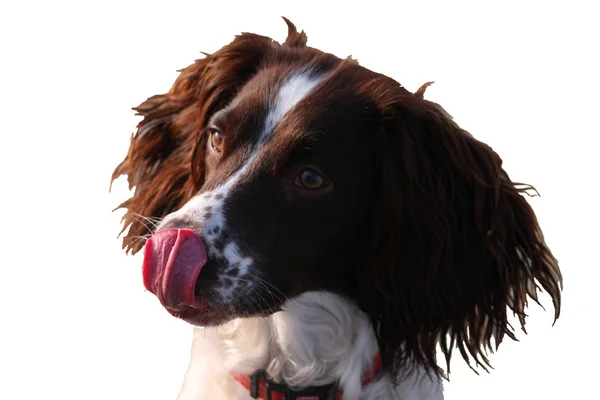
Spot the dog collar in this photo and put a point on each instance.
(261, 387)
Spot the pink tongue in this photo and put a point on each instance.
(173, 259)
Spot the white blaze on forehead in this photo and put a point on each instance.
(291, 92)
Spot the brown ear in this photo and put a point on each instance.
(453, 242)
(165, 160)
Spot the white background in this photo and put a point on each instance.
(75, 320)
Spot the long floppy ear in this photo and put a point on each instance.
(165, 162)
(453, 242)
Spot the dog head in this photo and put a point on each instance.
(277, 169)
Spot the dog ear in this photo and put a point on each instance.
(165, 162)
(452, 245)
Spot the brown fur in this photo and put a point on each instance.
(159, 162)
(452, 243)
(455, 241)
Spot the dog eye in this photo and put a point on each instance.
(216, 140)
(310, 179)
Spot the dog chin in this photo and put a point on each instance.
(208, 316)
(213, 316)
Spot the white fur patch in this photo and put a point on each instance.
(290, 94)
(319, 338)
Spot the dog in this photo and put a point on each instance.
(324, 229)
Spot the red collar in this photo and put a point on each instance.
(261, 387)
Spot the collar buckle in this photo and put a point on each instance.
(260, 378)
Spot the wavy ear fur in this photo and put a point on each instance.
(168, 145)
(453, 242)
(294, 39)
(165, 162)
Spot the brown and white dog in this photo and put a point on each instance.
(325, 229)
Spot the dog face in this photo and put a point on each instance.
(289, 182)
(279, 169)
